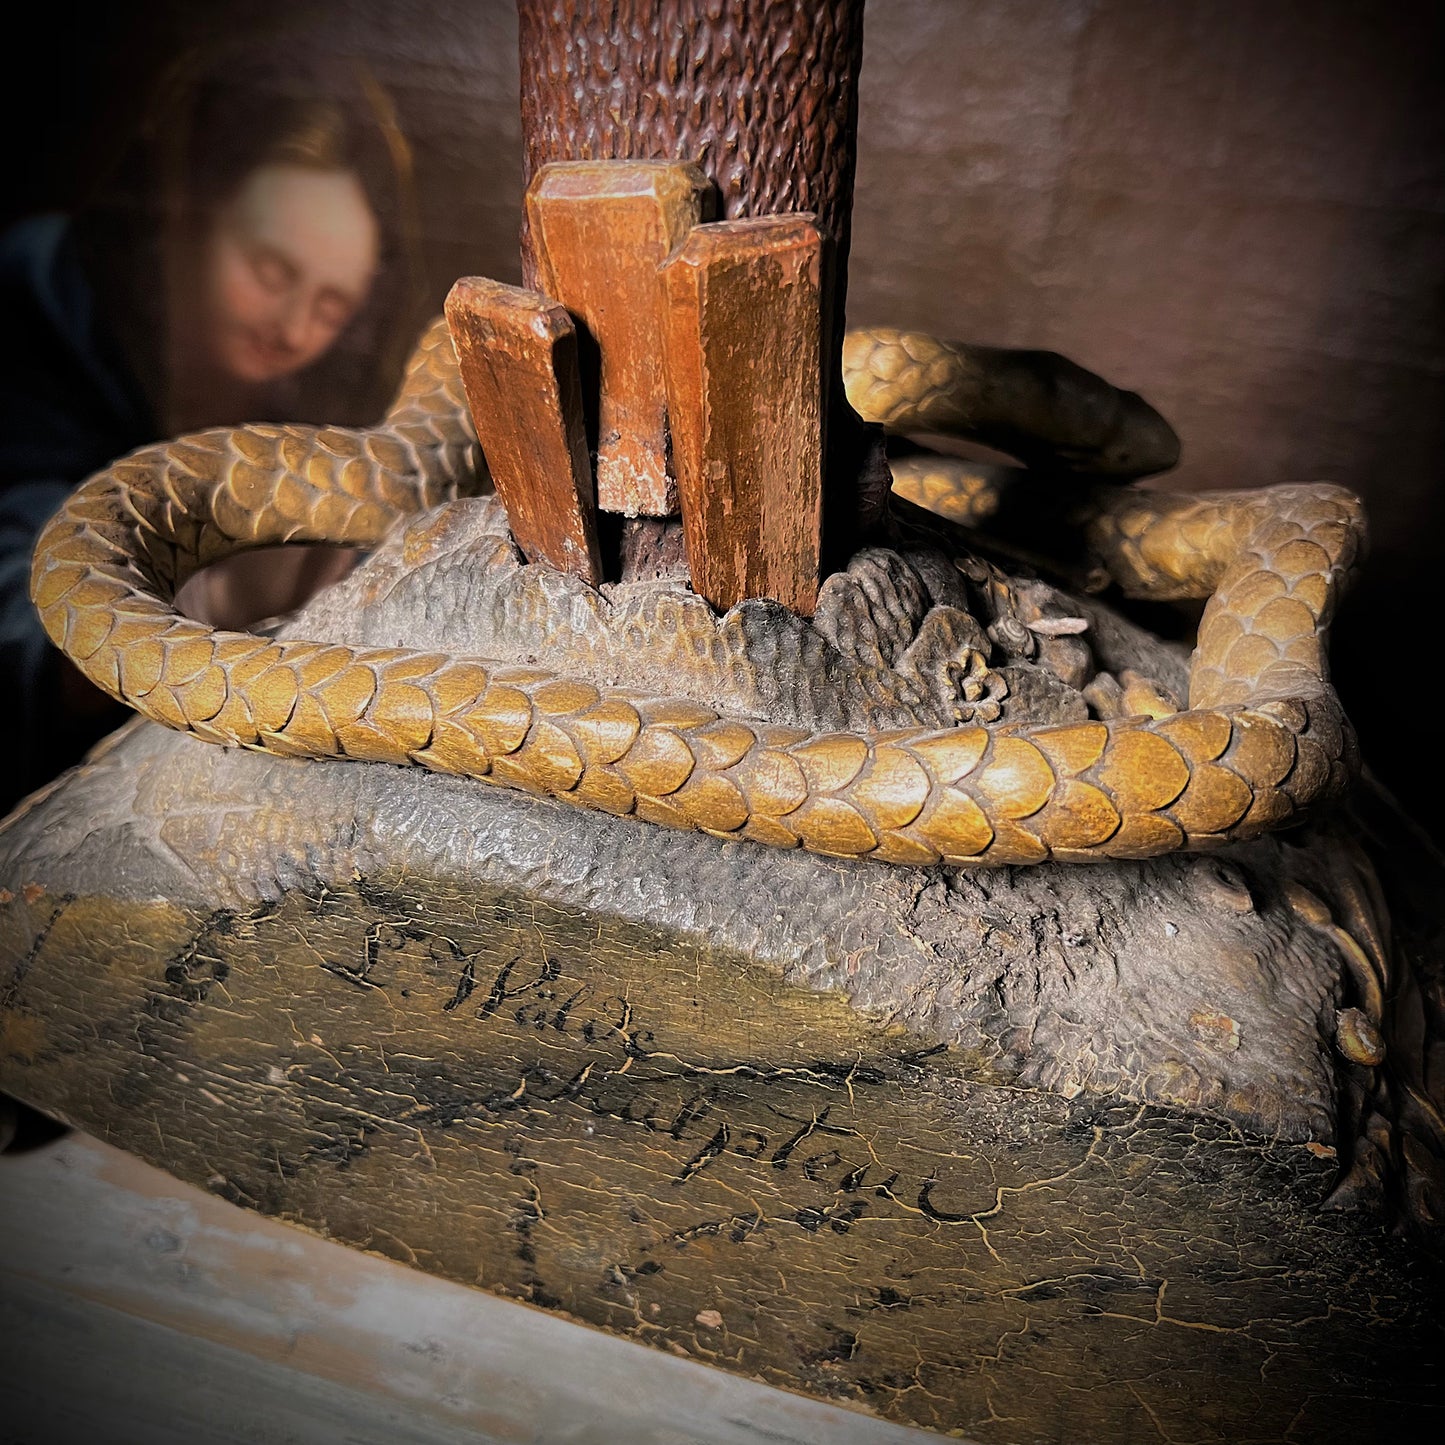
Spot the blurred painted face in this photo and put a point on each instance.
(288, 263)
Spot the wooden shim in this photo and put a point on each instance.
(742, 337)
(601, 229)
(518, 356)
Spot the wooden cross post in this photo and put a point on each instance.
(708, 350)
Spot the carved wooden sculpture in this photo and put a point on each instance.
(877, 1121)
(1262, 739)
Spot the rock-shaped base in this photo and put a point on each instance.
(660, 1131)
(1028, 1154)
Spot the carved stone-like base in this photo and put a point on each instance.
(660, 1135)
(1028, 1154)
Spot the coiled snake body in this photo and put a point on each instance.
(1262, 739)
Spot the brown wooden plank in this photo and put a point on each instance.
(743, 345)
(518, 355)
(201, 1321)
(601, 229)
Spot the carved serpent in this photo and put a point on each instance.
(1264, 736)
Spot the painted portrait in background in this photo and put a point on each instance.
(249, 253)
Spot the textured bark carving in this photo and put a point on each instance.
(761, 94)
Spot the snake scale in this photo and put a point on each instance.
(1262, 739)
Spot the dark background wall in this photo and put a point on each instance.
(1236, 207)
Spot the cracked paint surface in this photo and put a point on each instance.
(666, 1139)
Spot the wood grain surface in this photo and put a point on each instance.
(601, 229)
(199, 1321)
(517, 352)
(744, 345)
